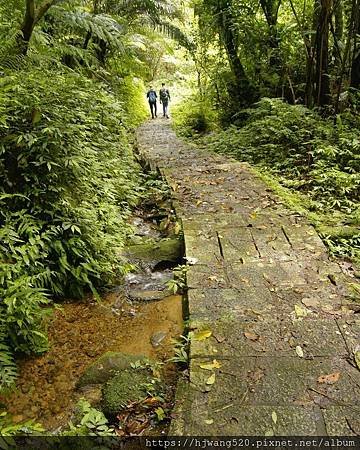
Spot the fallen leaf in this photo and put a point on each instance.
(251, 336)
(299, 351)
(274, 417)
(219, 338)
(201, 335)
(211, 366)
(211, 380)
(177, 228)
(310, 302)
(300, 311)
(209, 421)
(329, 379)
(270, 432)
(256, 375)
(357, 356)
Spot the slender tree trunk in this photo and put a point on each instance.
(27, 27)
(271, 11)
(323, 95)
(244, 91)
(32, 17)
(355, 66)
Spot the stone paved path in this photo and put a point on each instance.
(280, 312)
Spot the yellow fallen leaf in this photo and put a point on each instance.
(251, 336)
(209, 421)
(274, 417)
(201, 335)
(300, 311)
(357, 356)
(211, 366)
(329, 379)
(177, 228)
(299, 351)
(211, 379)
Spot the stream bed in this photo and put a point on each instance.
(81, 332)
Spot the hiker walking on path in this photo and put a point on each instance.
(164, 95)
(152, 98)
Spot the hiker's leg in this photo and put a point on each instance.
(155, 107)
(164, 109)
(152, 109)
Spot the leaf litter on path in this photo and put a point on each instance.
(329, 379)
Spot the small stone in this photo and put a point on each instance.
(157, 338)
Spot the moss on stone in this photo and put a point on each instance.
(129, 386)
(154, 252)
(106, 367)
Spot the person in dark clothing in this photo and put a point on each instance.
(164, 95)
(152, 98)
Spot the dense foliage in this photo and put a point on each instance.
(309, 155)
(277, 85)
(72, 88)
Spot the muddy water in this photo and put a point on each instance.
(81, 332)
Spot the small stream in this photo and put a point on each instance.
(80, 332)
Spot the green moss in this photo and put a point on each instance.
(156, 251)
(129, 386)
(106, 367)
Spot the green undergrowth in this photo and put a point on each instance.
(311, 162)
(68, 184)
(194, 116)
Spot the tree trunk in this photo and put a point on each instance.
(323, 95)
(27, 27)
(31, 18)
(271, 11)
(355, 66)
(244, 93)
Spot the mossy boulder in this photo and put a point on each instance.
(153, 252)
(106, 367)
(129, 386)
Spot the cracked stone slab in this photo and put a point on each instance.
(207, 276)
(350, 330)
(342, 421)
(246, 303)
(249, 292)
(204, 247)
(231, 337)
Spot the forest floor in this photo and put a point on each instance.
(274, 321)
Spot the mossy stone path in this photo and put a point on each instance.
(283, 332)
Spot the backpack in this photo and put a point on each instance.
(164, 94)
(152, 97)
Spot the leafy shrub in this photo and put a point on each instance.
(194, 116)
(307, 154)
(68, 182)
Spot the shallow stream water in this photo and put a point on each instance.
(81, 332)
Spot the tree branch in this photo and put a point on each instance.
(44, 8)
